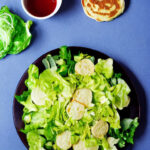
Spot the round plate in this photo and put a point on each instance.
(132, 111)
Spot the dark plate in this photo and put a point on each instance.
(132, 111)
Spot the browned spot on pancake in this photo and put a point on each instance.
(94, 6)
(83, 3)
(89, 5)
(89, 13)
(103, 5)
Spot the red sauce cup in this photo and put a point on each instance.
(41, 9)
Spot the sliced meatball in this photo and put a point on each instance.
(100, 129)
(84, 67)
(75, 110)
(63, 140)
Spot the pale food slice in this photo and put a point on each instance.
(112, 141)
(84, 67)
(100, 129)
(83, 96)
(63, 140)
(75, 110)
(37, 96)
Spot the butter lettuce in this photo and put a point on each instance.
(120, 93)
(105, 67)
(33, 75)
(35, 141)
(53, 84)
(25, 100)
(107, 113)
(14, 33)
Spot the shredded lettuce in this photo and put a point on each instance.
(35, 141)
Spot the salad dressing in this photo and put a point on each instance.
(40, 8)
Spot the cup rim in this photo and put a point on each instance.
(59, 2)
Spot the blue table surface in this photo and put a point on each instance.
(126, 39)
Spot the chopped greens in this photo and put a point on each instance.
(126, 133)
(74, 103)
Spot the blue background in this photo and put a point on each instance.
(126, 39)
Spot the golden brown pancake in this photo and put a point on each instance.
(103, 10)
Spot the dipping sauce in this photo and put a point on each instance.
(40, 8)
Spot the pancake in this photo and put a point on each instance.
(103, 10)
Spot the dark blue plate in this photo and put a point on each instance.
(132, 111)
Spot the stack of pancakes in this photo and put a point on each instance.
(103, 10)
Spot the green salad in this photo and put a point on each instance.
(74, 103)
(14, 33)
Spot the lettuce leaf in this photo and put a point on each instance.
(120, 93)
(35, 141)
(107, 113)
(23, 96)
(105, 67)
(81, 56)
(33, 75)
(25, 100)
(52, 84)
(91, 142)
(49, 63)
(14, 33)
(65, 63)
(126, 133)
(105, 144)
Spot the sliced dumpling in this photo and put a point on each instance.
(100, 129)
(38, 96)
(75, 110)
(63, 140)
(81, 146)
(83, 96)
(84, 67)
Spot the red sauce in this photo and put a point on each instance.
(40, 8)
